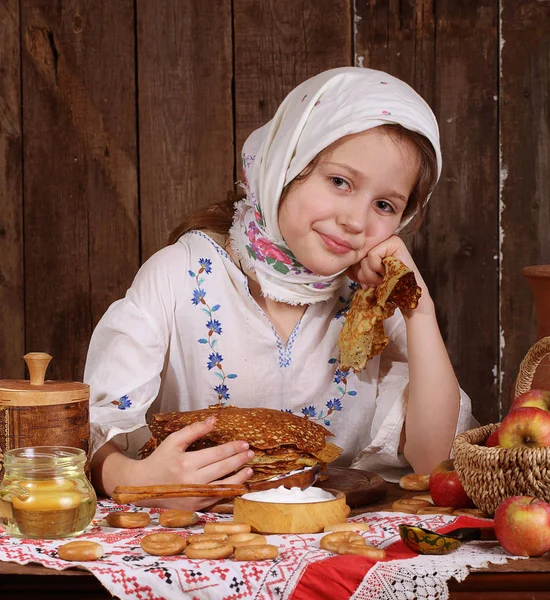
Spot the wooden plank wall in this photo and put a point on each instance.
(118, 118)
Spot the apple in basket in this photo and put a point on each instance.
(522, 525)
(525, 427)
(493, 439)
(534, 398)
(445, 487)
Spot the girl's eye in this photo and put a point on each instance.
(385, 206)
(340, 183)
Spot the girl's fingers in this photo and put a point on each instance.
(231, 453)
(241, 476)
(183, 438)
(221, 464)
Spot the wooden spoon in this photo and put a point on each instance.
(126, 494)
(424, 541)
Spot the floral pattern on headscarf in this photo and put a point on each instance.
(317, 113)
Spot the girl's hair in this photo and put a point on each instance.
(218, 217)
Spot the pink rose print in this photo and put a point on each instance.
(269, 250)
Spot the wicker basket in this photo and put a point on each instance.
(490, 475)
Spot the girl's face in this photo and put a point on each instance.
(352, 200)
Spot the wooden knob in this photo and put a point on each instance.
(37, 363)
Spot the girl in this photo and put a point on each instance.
(245, 306)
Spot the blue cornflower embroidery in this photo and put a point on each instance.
(309, 411)
(214, 327)
(206, 263)
(340, 377)
(123, 402)
(334, 404)
(214, 360)
(342, 312)
(222, 391)
(198, 296)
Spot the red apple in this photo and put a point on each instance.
(492, 440)
(534, 398)
(522, 525)
(525, 427)
(445, 487)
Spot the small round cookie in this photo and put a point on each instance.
(362, 550)
(246, 539)
(332, 541)
(178, 518)
(435, 510)
(163, 544)
(253, 552)
(212, 550)
(80, 550)
(471, 512)
(415, 482)
(349, 526)
(206, 537)
(128, 520)
(227, 527)
(426, 497)
(409, 505)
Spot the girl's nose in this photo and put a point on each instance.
(353, 217)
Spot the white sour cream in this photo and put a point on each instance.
(293, 495)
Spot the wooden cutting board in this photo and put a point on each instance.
(360, 487)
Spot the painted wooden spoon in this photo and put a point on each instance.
(424, 541)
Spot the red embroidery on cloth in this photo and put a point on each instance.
(126, 571)
(130, 585)
(222, 572)
(192, 576)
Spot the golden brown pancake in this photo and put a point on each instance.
(362, 335)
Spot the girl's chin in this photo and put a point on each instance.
(324, 271)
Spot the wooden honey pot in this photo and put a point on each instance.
(36, 412)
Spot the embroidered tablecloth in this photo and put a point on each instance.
(302, 570)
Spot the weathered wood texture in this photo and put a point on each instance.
(448, 51)
(133, 114)
(12, 304)
(525, 176)
(279, 44)
(80, 183)
(184, 62)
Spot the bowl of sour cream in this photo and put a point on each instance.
(282, 510)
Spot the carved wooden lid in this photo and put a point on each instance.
(37, 391)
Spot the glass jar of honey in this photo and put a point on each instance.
(45, 493)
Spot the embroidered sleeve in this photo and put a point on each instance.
(127, 352)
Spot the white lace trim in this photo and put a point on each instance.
(425, 577)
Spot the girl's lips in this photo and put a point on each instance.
(335, 245)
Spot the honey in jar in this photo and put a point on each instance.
(45, 493)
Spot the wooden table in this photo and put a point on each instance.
(515, 580)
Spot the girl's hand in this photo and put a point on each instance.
(370, 271)
(171, 463)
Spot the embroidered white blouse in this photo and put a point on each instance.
(188, 334)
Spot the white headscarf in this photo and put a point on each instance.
(314, 115)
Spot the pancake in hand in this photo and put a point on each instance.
(282, 442)
(362, 336)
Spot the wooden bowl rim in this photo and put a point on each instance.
(338, 495)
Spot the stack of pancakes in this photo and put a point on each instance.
(282, 442)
